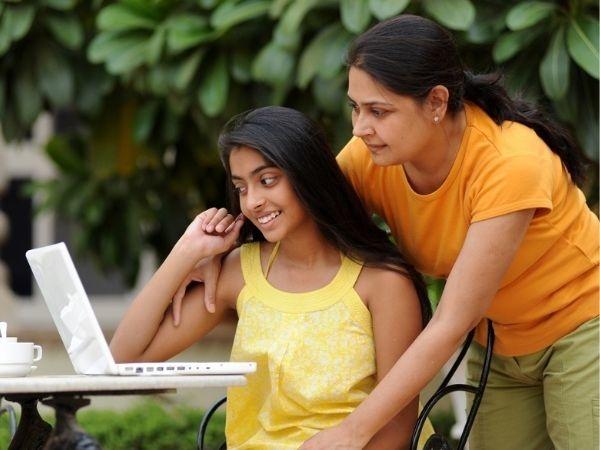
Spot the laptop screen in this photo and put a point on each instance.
(70, 309)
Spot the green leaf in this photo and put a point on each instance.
(61, 5)
(526, 14)
(330, 94)
(324, 55)
(121, 17)
(277, 7)
(287, 32)
(28, 97)
(185, 71)
(355, 15)
(144, 120)
(185, 31)
(384, 9)
(155, 46)
(455, 14)
(582, 43)
(55, 76)
(66, 29)
(62, 154)
(230, 13)
(485, 28)
(554, 69)
(509, 44)
(241, 66)
(109, 44)
(130, 58)
(214, 87)
(273, 65)
(18, 20)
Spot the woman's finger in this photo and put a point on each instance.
(216, 218)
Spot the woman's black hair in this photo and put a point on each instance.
(410, 55)
(296, 145)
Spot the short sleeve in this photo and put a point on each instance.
(511, 183)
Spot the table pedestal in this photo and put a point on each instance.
(32, 432)
(68, 434)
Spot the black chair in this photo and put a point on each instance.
(437, 441)
(204, 425)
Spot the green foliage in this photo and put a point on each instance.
(147, 426)
(140, 89)
(150, 426)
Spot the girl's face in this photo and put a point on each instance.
(266, 195)
(395, 128)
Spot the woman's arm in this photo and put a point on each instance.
(487, 252)
(396, 317)
(146, 332)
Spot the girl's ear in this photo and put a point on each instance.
(437, 102)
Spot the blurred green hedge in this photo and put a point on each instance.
(150, 426)
(140, 88)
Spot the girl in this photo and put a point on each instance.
(482, 190)
(306, 285)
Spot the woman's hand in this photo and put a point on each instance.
(335, 438)
(218, 231)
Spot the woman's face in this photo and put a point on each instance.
(266, 195)
(395, 128)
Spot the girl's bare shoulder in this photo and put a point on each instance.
(231, 279)
(377, 285)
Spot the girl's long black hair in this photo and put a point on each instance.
(295, 144)
(410, 55)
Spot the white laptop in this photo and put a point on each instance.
(78, 327)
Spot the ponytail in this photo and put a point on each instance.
(409, 55)
(487, 92)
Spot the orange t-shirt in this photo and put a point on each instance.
(552, 285)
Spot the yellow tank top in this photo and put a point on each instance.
(315, 358)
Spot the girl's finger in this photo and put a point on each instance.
(207, 217)
(230, 227)
(177, 308)
(224, 224)
(217, 217)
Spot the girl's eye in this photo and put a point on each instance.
(239, 190)
(268, 181)
(377, 113)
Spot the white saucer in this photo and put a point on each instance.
(16, 370)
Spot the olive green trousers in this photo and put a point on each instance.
(542, 401)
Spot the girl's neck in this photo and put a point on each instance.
(306, 249)
(428, 173)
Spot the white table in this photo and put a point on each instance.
(66, 395)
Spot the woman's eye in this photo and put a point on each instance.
(268, 181)
(377, 113)
(239, 189)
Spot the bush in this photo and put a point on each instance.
(151, 426)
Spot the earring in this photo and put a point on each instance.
(436, 119)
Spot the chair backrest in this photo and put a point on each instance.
(204, 424)
(436, 441)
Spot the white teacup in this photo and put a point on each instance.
(13, 352)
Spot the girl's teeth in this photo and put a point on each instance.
(268, 218)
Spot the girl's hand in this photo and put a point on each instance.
(216, 231)
(335, 438)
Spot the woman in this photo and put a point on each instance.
(480, 189)
(306, 286)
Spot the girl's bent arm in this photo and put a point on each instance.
(487, 252)
(144, 333)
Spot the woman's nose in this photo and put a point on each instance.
(360, 127)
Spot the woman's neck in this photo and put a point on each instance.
(428, 173)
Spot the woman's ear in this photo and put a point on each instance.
(437, 102)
